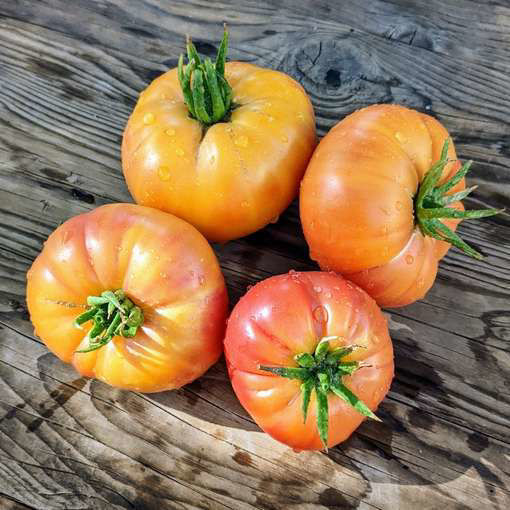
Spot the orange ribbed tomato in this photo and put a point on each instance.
(233, 177)
(358, 202)
(159, 265)
(309, 356)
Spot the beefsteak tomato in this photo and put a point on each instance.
(223, 146)
(131, 296)
(309, 356)
(380, 202)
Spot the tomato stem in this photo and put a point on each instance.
(432, 201)
(323, 371)
(206, 92)
(112, 313)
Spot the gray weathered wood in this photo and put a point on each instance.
(70, 73)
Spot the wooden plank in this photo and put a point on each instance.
(70, 77)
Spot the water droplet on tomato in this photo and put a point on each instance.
(170, 132)
(148, 118)
(163, 275)
(201, 280)
(317, 289)
(179, 151)
(320, 314)
(400, 137)
(301, 116)
(241, 141)
(420, 282)
(399, 206)
(212, 159)
(275, 219)
(248, 287)
(385, 251)
(384, 230)
(328, 295)
(409, 259)
(284, 139)
(164, 173)
(244, 203)
(270, 118)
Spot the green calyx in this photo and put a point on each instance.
(323, 372)
(206, 92)
(432, 201)
(112, 314)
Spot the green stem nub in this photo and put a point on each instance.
(206, 91)
(323, 371)
(432, 200)
(112, 313)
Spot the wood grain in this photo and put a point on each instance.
(70, 73)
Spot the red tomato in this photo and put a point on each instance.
(378, 208)
(170, 301)
(292, 328)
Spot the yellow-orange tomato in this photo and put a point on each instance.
(276, 328)
(163, 265)
(229, 179)
(356, 201)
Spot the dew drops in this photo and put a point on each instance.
(385, 251)
(148, 118)
(163, 275)
(270, 118)
(400, 137)
(301, 116)
(179, 151)
(409, 259)
(241, 141)
(328, 295)
(164, 173)
(170, 132)
(317, 289)
(284, 139)
(249, 287)
(275, 219)
(399, 206)
(212, 159)
(244, 203)
(201, 280)
(384, 230)
(420, 282)
(320, 314)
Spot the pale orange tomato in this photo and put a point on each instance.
(299, 320)
(162, 264)
(232, 177)
(359, 202)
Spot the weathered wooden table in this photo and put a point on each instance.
(70, 73)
